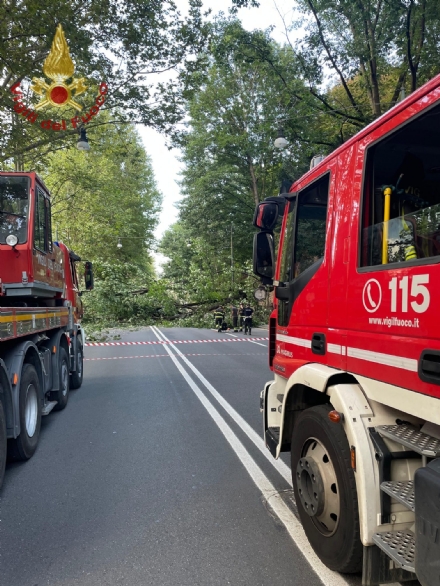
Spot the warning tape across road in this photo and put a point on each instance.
(164, 356)
(163, 343)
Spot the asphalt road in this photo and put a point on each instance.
(155, 474)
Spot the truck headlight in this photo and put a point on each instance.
(12, 240)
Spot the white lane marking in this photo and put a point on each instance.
(252, 341)
(267, 489)
(256, 439)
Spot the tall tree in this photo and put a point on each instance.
(230, 161)
(104, 197)
(372, 49)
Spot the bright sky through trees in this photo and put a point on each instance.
(166, 164)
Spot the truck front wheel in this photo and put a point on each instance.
(62, 395)
(325, 490)
(76, 377)
(24, 446)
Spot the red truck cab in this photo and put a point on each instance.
(31, 266)
(354, 344)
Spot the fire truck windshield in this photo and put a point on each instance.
(14, 205)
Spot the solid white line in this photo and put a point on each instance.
(251, 341)
(256, 439)
(268, 490)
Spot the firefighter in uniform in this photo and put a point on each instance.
(219, 317)
(241, 314)
(248, 311)
(234, 316)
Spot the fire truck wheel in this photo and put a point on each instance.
(76, 378)
(3, 443)
(325, 490)
(62, 396)
(23, 447)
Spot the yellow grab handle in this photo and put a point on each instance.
(386, 217)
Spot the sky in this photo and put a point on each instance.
(166, 164)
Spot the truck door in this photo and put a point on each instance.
(47, 259)
(303, 289)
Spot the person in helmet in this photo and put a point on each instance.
(248, 312)
(219, 317)
(234, 316)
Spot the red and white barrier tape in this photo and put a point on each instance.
(160, 342)
(165, 356)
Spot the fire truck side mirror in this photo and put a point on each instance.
(264, 257)
(88, 276)
(266, 215)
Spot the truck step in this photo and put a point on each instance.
(412, 438)
(48, 407)
(280, 398)
(399, 546)
(401, 490)
(275, 433)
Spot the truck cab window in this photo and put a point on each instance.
(287, 249)
(40, 222)
(311, 225)
(14, 204)
(303, 244)
(401, 203)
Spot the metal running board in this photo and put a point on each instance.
(48, 407)
(399, 546)
(401, 490)
(412, 438)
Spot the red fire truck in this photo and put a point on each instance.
(354, 344)
(41, 339)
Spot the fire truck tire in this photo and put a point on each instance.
(325, 490)
(76, 378)
(23, 447)
(62, 396)
(3, 443)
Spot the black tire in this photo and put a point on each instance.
(325, 490)
(62, 395)
(23, 447)
(76, 378)
(3, 443)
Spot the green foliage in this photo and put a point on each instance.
(103, 195)
(230, 161)
(123, 295)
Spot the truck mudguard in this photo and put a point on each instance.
(6, 398)
(14, 359)
(57, 339)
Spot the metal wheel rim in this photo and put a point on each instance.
(31, 410)
(327, 522)
(64, 378)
